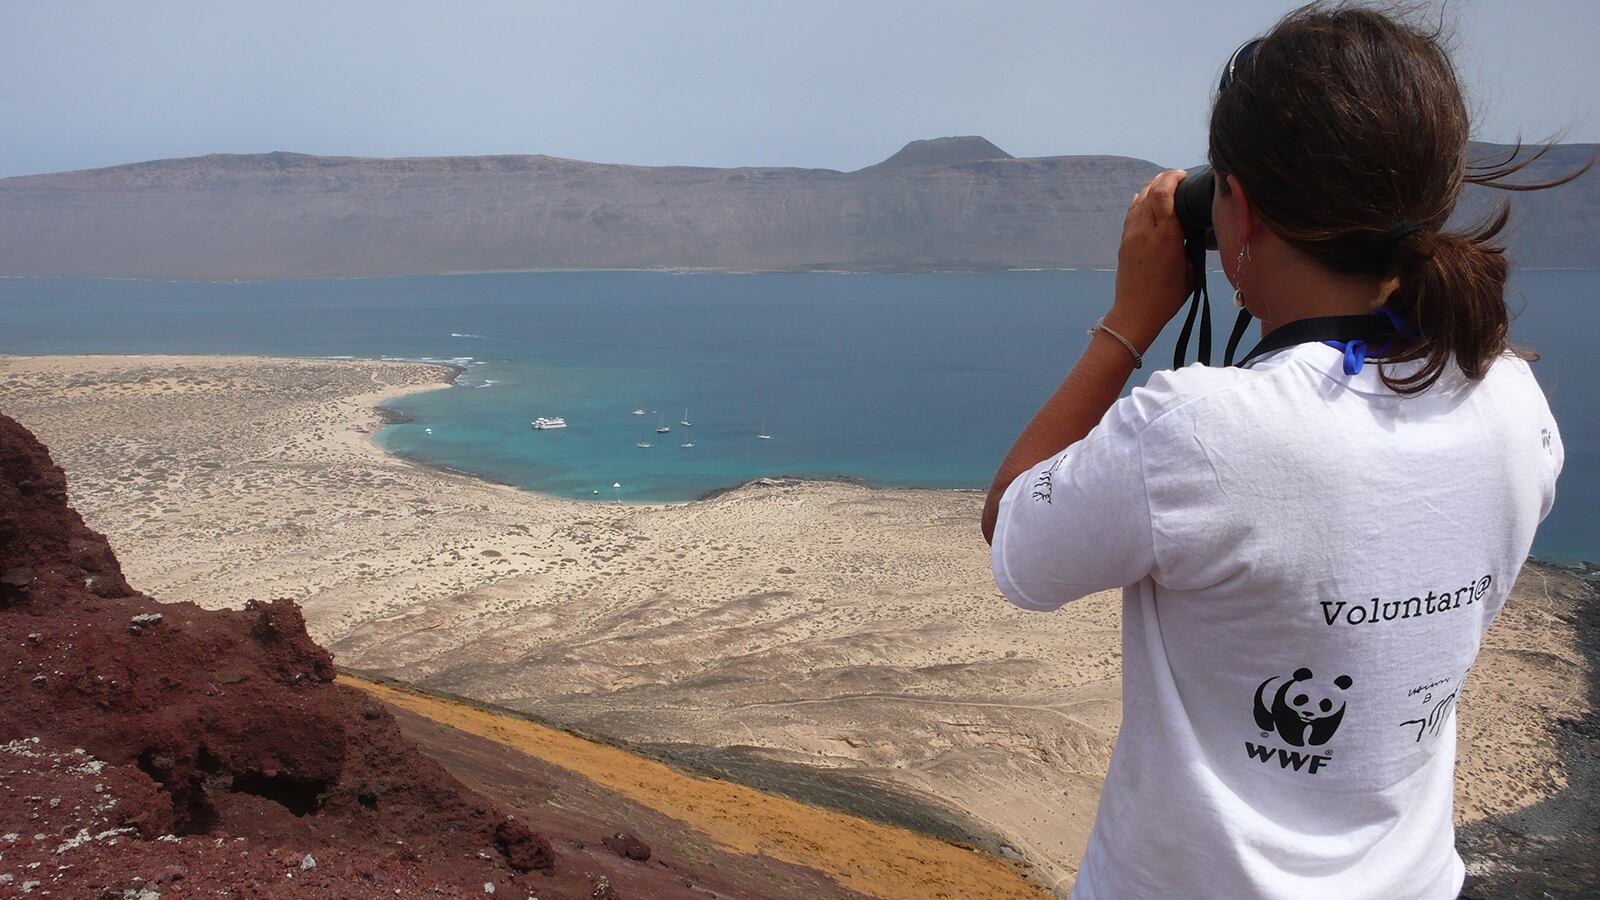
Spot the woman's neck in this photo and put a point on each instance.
(1297, 288)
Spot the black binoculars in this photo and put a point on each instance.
(1193, 205)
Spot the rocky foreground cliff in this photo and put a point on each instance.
(949, 203)
(144, 744)
(151, 749)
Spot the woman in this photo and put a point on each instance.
(1311, 544)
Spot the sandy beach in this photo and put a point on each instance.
(810, 624)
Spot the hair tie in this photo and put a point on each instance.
(1391, 237)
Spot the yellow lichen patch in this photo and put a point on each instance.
(869, 857)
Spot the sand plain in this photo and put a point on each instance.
(773, 627)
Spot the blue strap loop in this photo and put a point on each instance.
(1356, 351)
(1355, 355)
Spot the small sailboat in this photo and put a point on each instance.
(661, 425)
(685, 421)
(638, 410)
(645, 445)
(763, 436)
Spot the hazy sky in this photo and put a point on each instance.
(742, 82)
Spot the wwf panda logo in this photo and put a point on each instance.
(1302, 709)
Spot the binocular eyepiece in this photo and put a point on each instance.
(1192, 202)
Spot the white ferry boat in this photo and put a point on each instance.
(542, 423)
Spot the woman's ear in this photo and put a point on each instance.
(1389, 286)
(1243, 213)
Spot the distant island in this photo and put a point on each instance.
(947, 203)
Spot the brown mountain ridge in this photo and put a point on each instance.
(948, 203)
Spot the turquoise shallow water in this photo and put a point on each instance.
(892, 379)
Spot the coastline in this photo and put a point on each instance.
(391, 416)
(1581, 568)
(839, 628)
(1577, 567)
(665, 270)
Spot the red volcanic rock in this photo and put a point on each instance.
(42, 541)
(523, 849)
(626, 845)
(143, 742)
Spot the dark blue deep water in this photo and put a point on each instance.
(897, 380)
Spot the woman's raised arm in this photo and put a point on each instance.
(1152, 282)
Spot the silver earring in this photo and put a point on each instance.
(1238, 275)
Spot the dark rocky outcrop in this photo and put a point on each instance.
(627, 846)
(160, 724)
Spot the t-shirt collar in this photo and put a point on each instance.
(1329, 362)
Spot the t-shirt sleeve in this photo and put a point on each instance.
(1555, 457)
(1078, 522)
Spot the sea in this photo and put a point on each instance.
(893, 380)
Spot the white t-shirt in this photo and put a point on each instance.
(1309, 562)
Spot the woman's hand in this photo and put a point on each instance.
(1152, 274)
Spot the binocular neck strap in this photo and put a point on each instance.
(1368, 329)
(1199, 307)
(1239, 325)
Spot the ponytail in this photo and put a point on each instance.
(1453, 285)
(1452, 291)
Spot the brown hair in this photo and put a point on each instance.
(1347, 127)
